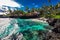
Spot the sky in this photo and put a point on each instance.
(36, 3)
(21, 4)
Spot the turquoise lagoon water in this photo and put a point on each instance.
(24, 26)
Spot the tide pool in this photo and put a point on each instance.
(24, 26)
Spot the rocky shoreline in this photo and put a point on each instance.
(55, 32)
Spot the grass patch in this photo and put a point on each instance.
(56, 16)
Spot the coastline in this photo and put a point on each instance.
(6, 21)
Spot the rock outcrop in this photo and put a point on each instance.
(55, 34)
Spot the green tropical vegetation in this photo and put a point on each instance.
(45, 11)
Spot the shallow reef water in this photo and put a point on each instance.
(31, 30)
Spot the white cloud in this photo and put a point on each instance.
(33, 3)
(10, 3)
(36, 5)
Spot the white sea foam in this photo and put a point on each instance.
(8, 27)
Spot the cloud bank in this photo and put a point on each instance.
(10, 3)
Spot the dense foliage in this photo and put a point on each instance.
(45, 11)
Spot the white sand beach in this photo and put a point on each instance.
(43, 20)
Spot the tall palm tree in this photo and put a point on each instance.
(27, 9)
(49, 2)
(33, 9)
(58, 4)
(10, 12)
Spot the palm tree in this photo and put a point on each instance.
(27, 9)
(58, 5)
(49, 2)
(10, 12)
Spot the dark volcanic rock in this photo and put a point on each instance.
(57, 27)
(56, 30)
(52, 21)
(52, 36)
(55, 34)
